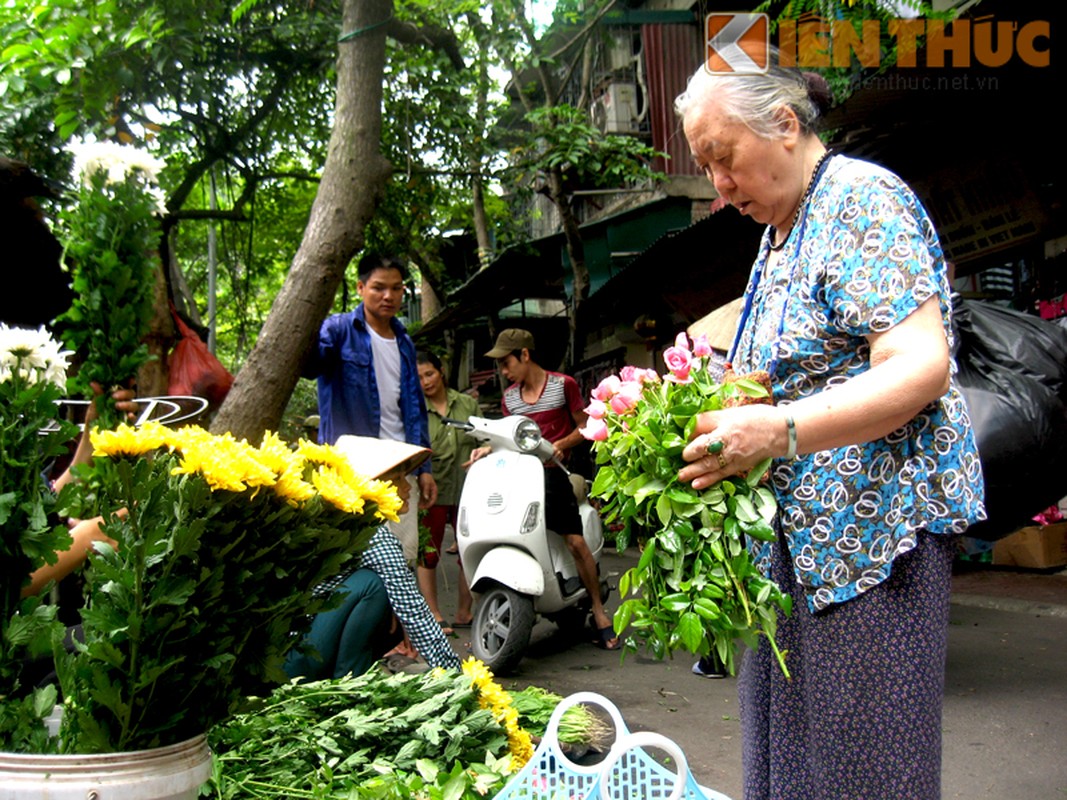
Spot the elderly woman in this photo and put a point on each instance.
(876, 468)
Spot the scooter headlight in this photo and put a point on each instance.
(527, 436)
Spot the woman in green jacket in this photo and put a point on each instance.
(451, 450)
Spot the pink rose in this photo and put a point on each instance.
(626, 398)
(681, 341)
(628, 373)
(596, 409)
(595, 430)
(607, 388)
(701, 348)
(679, 361)
(648, 376)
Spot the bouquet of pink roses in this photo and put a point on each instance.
(695, 586)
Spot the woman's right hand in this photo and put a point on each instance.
(733, 441)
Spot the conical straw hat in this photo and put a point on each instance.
(720, 325)
(378, 458)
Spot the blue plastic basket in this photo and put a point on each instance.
(628, 772)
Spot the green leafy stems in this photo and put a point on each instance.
(695, 587)
(32, 379)
(109, 238)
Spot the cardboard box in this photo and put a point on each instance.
(1038, 546)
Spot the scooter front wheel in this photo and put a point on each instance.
(501, 628)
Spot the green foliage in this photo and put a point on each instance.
(400, 736)
(564, 139)
(253, 256)
(109, 243)
(74, 54)
(303, 403)
(31, 382)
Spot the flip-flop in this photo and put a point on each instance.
(462, 624)
(605, 637)
(446, 627)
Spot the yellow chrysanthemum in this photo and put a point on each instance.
(336, 490)
(224, 462)
(492, 696)
(288, 466)
(291, 485)
(384, 495)
(126, 440)
(189, 436)
(327, 456)
(274, 452)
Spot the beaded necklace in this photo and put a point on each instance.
(800, 205)
(757, 277)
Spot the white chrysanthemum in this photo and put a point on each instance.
(116, 160)
(33, 354)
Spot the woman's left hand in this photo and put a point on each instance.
(732, 441)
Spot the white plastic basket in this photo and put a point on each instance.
(628, 772)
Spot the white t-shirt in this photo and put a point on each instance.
(386, 353)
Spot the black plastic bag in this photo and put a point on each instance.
(1013, 375)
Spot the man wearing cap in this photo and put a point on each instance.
(554, 402)
(368, 380)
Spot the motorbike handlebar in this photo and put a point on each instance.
(457, 423)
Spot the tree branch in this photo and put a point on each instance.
(232, 214)
(430, 35)
(215, 150)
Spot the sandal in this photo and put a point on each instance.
(606, 639)
(446, 627)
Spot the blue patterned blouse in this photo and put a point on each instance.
(868, 257)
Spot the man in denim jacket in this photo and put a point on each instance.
(369, 381)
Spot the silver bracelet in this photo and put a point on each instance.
(791, 432)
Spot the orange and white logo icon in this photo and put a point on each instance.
(737, 43)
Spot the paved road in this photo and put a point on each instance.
(1005, 722)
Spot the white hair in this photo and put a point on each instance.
(755, 100)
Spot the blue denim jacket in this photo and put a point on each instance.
(348, 390)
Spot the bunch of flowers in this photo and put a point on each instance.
(218, 546)
(110, 235)
(32, 380)
(695, 586)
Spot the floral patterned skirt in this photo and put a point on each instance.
(861, 717)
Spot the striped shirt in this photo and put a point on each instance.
(553, 410)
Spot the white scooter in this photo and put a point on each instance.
(510, 558)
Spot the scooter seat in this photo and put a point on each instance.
(579, 484)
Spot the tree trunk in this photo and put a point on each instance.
(352, 180)
(481, 222)
(572, 237)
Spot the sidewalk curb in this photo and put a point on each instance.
(1009, 604)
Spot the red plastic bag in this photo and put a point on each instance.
(194, 370)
